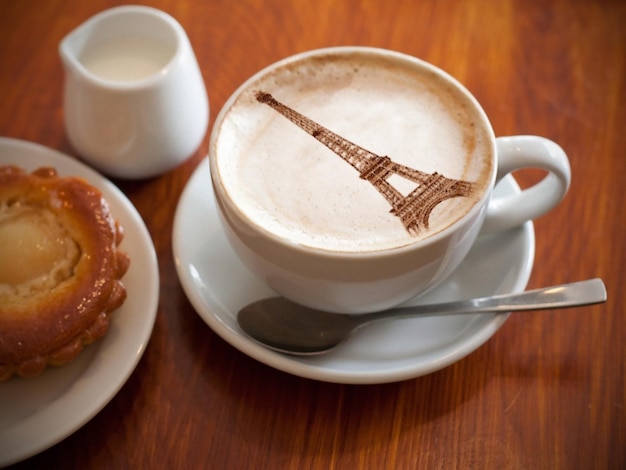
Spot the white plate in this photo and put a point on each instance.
(37, 413)
(218, 285)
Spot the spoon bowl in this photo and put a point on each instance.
(287, 327)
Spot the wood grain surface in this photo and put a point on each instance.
(546, 392)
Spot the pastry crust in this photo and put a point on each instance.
(47, 317)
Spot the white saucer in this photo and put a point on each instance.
(37, 413)
(218, 285)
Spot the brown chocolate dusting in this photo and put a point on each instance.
(414, 209)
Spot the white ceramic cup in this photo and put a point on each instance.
(135, 103)
(356, 282)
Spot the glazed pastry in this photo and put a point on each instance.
(60, 269)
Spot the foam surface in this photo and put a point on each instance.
(288, 182)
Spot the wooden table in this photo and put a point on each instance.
(548, 389)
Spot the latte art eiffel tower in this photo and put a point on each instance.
(413, 209)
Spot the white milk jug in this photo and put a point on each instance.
(135, 103)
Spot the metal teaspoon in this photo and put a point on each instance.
(287, 327)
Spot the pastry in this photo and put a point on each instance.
(60, 269)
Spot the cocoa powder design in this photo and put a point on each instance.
(413, 209)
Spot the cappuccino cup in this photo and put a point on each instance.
(135, 104)
(352, 179)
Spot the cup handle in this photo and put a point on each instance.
(525, 151)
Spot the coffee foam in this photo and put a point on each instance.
(289, 183)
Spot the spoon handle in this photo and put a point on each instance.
(580, 293)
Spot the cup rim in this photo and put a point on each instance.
(218, 186)
(175, 28)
